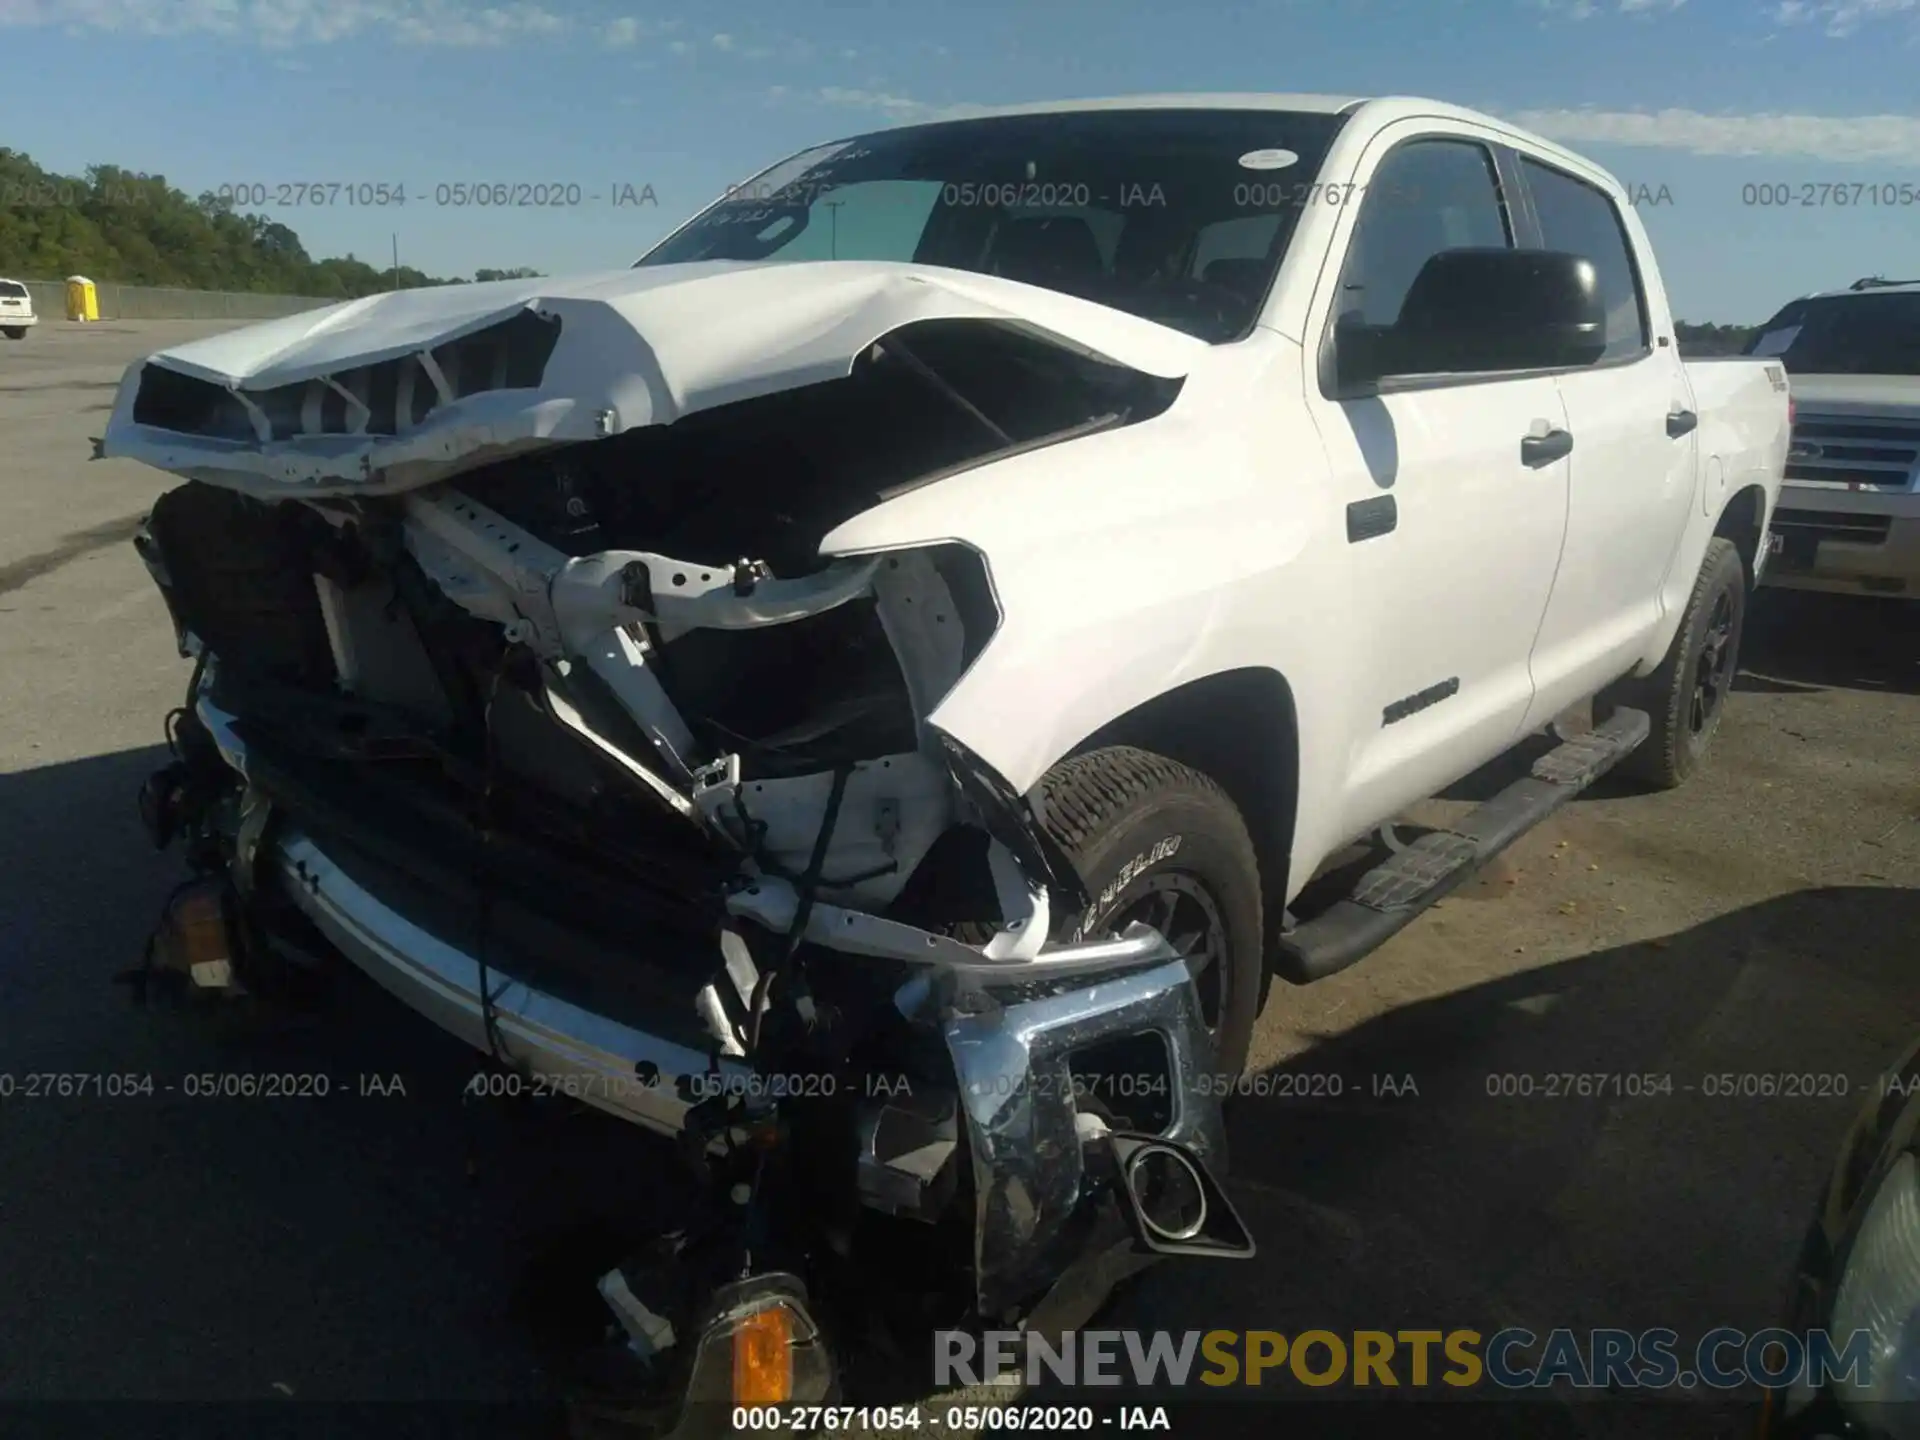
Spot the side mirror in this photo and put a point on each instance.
(1476, 310)
(1173, 1203)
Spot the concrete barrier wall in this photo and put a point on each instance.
(161, 302)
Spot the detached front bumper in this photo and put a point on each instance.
(1011, 1030)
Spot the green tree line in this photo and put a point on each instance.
(1697, 340)
(121, 225)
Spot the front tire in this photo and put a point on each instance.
(1156, 841)
(1686, 697)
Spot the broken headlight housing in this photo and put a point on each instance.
(1879, 1296)
(1857, 1285)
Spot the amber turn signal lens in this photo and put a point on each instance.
(763, 1358)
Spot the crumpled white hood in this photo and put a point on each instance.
(636, 347)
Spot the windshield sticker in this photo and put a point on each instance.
(1268, 159)
(1776, 342)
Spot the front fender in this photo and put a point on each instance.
(1129, 563)
(1124, 565)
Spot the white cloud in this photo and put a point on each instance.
(886, 104)
(147, 17)
(441, 24)
(1587, 9)
(898, 108)
(1843, 138)
(283, 24)
(280, 23)
(629, 30)
(1841, 18)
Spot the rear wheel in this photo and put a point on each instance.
(15, 332)
(1155, 841)
(1687, 696)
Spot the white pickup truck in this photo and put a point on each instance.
(1849, 516)
(933, 615)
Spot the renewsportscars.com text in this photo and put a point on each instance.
(1510, 1359)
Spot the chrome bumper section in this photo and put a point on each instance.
(623, 1071)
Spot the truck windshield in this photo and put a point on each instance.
(1855, 334)
(1179, 216)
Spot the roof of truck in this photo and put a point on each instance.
(1198, 100)
(1384, 108)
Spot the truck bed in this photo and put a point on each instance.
(1746, 419)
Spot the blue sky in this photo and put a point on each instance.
(1702, 97)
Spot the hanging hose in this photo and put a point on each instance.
(807, 887)
(483, 921)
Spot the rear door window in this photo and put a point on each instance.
(1580, 219)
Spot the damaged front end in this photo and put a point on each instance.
(586, 751)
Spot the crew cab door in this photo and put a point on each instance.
(1451, 519)
(1634, 460)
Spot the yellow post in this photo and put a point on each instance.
(83, 299)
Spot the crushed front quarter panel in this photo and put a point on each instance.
(598, 356)
(635, 347)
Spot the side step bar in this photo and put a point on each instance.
(1389, 896)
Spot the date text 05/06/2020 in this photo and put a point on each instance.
(499, 1084)
(958, 1419)
(199, 1085)
(457, 194)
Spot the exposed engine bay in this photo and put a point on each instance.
(590, 753)
(638, 636)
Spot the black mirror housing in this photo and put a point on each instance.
(1492, 309)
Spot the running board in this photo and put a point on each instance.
(1389, 896)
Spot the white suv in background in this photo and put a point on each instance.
(16, 310)
(1849, 516)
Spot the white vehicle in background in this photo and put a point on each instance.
(1849, 516)
(932, 617)
(16, 310)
